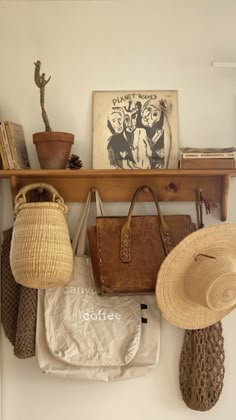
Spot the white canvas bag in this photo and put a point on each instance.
(84, 329)
(145, 360)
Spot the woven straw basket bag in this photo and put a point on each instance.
(41, 254)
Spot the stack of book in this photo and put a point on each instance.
(208, 158)
(13, 151)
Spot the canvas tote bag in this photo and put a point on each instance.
(146, 358)
(83, 329)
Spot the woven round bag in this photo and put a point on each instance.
(41, 254)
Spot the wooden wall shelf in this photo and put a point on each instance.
(119, 185)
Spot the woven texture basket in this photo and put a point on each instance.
(18, 307)
(41, 253)
(201, 370)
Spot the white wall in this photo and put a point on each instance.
(117, 45)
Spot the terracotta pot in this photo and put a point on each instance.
(53, 148)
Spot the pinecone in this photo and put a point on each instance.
(74, 162)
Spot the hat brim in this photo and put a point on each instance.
(173, 302)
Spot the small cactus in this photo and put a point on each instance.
(41, 81)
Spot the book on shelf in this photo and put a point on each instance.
(4, 161)
(15, 145)
(208, 155)
(208, 149)
(199, 163)
(5, 149)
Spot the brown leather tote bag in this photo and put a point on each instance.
(126, 252)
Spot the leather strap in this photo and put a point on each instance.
(167, 241)
(166, 235)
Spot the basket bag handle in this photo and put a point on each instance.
(21, 196)
(126, 237)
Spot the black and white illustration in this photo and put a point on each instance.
(135, 130)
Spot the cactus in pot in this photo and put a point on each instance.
(41, 82)
(53, 147)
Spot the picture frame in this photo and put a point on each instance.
(135, 129)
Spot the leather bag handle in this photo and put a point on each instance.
(166, 235)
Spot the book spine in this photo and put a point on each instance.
(3, 152)
(208, 155)
(207, 163)
(7, 147)
(12, 145)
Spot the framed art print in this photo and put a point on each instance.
(135, 129)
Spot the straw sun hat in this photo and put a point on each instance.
(196, 284)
